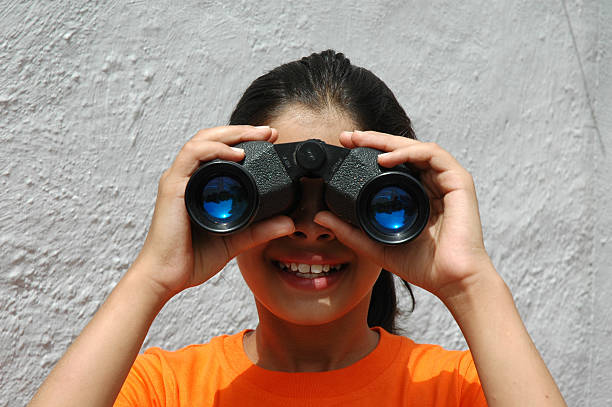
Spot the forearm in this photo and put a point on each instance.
(510, 368)
(95, 366)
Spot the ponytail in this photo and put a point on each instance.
(383, 303)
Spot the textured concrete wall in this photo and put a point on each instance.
(600, 342)
(97, 98)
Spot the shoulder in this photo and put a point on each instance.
(429, 369)
(157, 374)
(187, 358)
(422, 353)
(428, 360)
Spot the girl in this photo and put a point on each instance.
(323, 339)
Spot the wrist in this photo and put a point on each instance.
(140, 277)
(480, 286)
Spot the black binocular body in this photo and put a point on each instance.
(389, 204)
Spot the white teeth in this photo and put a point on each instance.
(308, 269)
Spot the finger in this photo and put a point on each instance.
(258, 233)
(196, 151)
(351, 236)
(374, 139)
(421, 155)
(441, 173)
(346, 139)
(273, 135)
(235, 134)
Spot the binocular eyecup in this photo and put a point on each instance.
(390, 205)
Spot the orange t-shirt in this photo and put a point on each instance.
(398, 372)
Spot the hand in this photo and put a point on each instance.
(450, 252)
(174, 258)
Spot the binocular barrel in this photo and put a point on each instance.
(390, 205)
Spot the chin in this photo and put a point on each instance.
(313, 314)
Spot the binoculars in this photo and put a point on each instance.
(389, 204)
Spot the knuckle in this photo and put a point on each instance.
(469, 179)
(201, 134)
(162, 186)
(463, 177)
(164, 176)
(189, 147)
(433, 145)
(455, 177)
(169, 184)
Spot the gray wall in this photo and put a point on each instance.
(96, 99)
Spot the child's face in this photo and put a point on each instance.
(299, 299)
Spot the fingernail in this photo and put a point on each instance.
(317, 220)
(262, 127)
(238, 150)
(286, 229)
(347, 133)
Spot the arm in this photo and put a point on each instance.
(93, 369)
(95, 366)
(449, 260)
(510, 367)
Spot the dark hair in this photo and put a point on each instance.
(329, 80)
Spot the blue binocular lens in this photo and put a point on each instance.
(393, 207)
(224, 199)
(392, 210)
(221, 197)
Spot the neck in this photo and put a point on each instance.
(283, 346)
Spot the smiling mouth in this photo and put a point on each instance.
(309, 271)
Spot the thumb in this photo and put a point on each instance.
(351, 236)
(258, 233)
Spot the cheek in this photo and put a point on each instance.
(367, 273)
(257, 274)
(251, 264)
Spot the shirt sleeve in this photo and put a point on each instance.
(144, 385)
(471, 389)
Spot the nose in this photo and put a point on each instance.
(311, 202)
